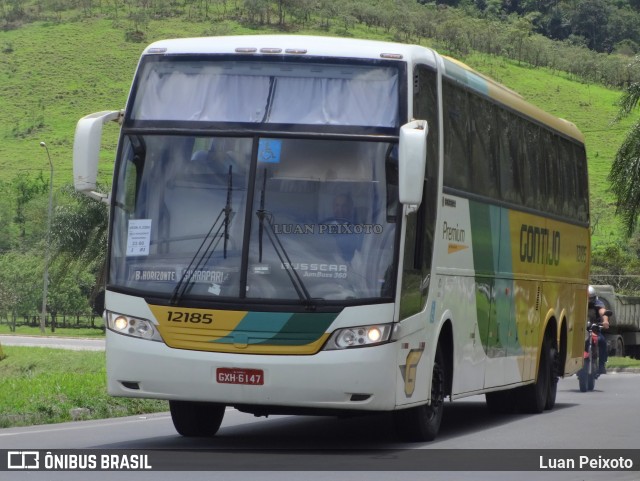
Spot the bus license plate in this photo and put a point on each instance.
(251, 377)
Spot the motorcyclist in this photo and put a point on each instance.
(597, 314)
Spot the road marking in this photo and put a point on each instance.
(90, 425)
(109, 422)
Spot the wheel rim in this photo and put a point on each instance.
(437, 392)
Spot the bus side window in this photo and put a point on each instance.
(483, 152)
(420, 226)
(456, 130)
(579, 160)
(425, 106)
(569, 175)
(509, 167)
(539, 175)
(528, 159)
(556, 195)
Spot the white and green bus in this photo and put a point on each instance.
(326, 225)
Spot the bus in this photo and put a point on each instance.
(308, 225)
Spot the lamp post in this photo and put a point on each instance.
(43, 315)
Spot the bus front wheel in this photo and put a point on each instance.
(196, 419)
(422, 423)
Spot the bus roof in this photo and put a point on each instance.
(316, 46)
(292, 45)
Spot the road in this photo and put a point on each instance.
(280, 447)
(73, 343)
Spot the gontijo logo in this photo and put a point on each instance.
(539, 245)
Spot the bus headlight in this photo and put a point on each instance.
(359, 336)
(132, 326)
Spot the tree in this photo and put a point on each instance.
(79, 227)
(625, 169)
(26, 189)
(69, 292)
(79, 235)
(19, 272)
(7, 226)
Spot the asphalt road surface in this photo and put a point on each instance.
(287, 448)
(73, 343)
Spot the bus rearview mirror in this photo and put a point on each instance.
(412, 154)
(86, 151)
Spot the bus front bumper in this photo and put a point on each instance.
(350, 379)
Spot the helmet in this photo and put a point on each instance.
(592, 292)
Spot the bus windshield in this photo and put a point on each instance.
(266, 92)
(255, 218)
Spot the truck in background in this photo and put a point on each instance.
(623, 335)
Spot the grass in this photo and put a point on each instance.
(82, 67)
(59, 332)
(86, 66)
(73, 329)
(42, 386)
(623, 363)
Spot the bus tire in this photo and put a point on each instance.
(422, 423)
(196, 419)
(533, 397)
(554, 373)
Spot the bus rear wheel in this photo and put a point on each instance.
(533, 398)
(422, 423)
(196, 419)
(554, 372)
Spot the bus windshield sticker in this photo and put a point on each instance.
(269, 150)
(261, 269)
(146, 273)
(138, 237)
(207, 276)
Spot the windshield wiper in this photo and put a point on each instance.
(294, 277)
(226, 214)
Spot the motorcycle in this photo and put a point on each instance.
(591, 368)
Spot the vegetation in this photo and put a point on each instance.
(42, 385)
(600, 25)
(625, 170)
(83, 327)
(62, 60)
(623, 363)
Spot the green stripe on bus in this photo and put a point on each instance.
(279, 329)
(482, 234)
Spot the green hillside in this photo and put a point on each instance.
(53, 74)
